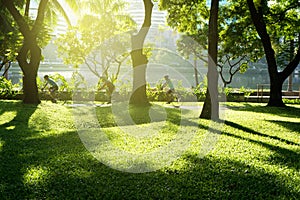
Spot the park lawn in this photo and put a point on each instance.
(44, 156)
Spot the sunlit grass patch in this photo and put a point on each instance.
(35, 175)
(133, 138)
(7, 116)
(49, 119)
(261, 139)
(254, 153)
(1, 144)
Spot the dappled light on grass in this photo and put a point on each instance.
(261, 123)
(1, 144)
(35, 175)
(217, 177)
(10, 128)
(256, 156)
(256, 139)
(7, 116)
(136, 139)
(51, 119)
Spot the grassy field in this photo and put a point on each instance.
(45, 152)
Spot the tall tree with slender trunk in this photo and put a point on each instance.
(139, 59)
(211, 104)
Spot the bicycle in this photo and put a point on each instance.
(60, 97)
(173, 98)
(47, 95)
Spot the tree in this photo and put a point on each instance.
(29, 55)
(139, 59)
(228, 64)
(10, 39)
(237, 43)
(230, 67)
(191, 17)
(191, 45)
(211, 104)
(273, 22)
(99, 40)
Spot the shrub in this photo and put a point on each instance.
(200, 91)
(247, 92)
(6, 87)
(291, 101)
(61, 81)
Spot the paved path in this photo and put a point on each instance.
(186, 107)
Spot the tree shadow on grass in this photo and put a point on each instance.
(203, 180)
(27, 158)
(282, 155)
(248, 130)
(135, 115)
(72, 173)
(80, 177)
(11, 134)
(228, 179)
(293, 126)
(288, 111)
(59, 167)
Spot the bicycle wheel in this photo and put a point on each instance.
(177, 101)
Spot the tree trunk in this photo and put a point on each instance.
(6, 68)
(30, 70)
(211, 104)
(276, 78)
(290, 83)
(206, 110)
(276, 93)
(30, 88)
(30, 53)
(196, 71)
(290, 80)
(139, 60)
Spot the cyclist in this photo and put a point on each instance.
(52, 89)
(109, 87)
(168, 83)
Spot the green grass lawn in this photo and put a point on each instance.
(44, 156)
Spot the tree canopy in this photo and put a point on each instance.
(265, 29)
(272, 21)
(99, 39)
(35, 34)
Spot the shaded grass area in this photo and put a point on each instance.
(255, 157)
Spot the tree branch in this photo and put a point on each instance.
(27, 8)
(258, 20)
(92, 70)
(23, 26)
(292, 65)
(40, 18)
(139, 39)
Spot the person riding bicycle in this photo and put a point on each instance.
(108, 85)
(52, 89)
(168, 83)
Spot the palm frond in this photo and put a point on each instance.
(61, 10)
